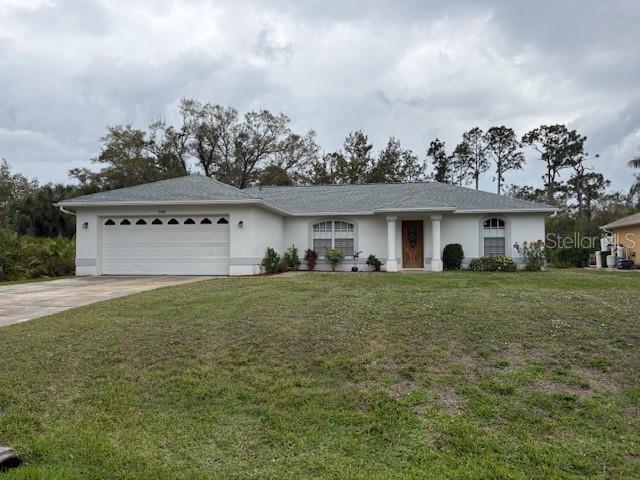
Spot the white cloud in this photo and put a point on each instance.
(416, 70)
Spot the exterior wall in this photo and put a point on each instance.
(246, 243)
(465, 229)
(261, 229)
(266, 230)
(629, 237)
(370, 238)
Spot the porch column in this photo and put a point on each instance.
(436, 262)
(392, 263)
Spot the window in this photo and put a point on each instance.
(222, 221)
(173, 221)
(189, 221)
(125, 222)
(109, 222)
(494, 237)
(141, 221)
(333, 234)
(205, 221)
(157, 221)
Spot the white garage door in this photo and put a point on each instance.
(184, 245)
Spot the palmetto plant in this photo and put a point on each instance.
(31, 257)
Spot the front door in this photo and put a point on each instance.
(412, 244)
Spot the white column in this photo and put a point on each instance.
(436, 262)
(392, 263)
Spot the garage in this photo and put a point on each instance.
(163, 245)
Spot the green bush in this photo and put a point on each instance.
(271, 262)
(24, 257)
(335, 256)
(291, 259)
(374, 263)
(572, 257)
(452, 256)
(493, 263)
(533, 255)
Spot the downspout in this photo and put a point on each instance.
(63, 210)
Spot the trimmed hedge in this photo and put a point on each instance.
(24, 257)
(494, 263)
(452, 256)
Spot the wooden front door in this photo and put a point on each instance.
(412, 244)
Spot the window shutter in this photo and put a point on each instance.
(494, 246)
(346, 245)
(320, 245)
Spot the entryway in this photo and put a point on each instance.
(412, 244)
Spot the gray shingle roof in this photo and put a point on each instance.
(302, 200)
(624, 222)
(181, 189)
(387, 196)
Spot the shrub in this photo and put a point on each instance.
(271, 261)
(291, 259)
(533, 255)
(452, 256)
(311, 258)
(374, 263)
(335, 256)
(573, 257)
(23, 257)
(494, 263)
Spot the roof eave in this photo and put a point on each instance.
(414, 210)
(507, 210)
(146, 203)
(614, 225)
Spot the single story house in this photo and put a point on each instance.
(195, 225)
(625, 232)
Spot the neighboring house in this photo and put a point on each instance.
(626, 232)
(195, 225)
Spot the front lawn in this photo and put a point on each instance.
(368, 376)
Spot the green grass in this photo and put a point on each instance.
(369, 376)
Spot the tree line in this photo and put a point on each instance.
(261, 148)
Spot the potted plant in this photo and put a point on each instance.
(356, 255)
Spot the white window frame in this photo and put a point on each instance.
(506, 229)
(333, 221)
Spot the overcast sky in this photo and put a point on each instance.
(417, 70)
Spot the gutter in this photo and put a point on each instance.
(273, 208)
(63, 210)
(147, 203)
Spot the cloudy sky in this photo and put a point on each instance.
(412, 69)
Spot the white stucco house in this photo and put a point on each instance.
(195, 225)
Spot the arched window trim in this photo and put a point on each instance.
(157, 221)
(189, 221)
(141, 221)
(173, 221)
(331, 231)
(206, 221)
(110, 222)
(493, 228)
(222, 221)
(125, 221)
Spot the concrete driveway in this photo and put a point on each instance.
(25, 301)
